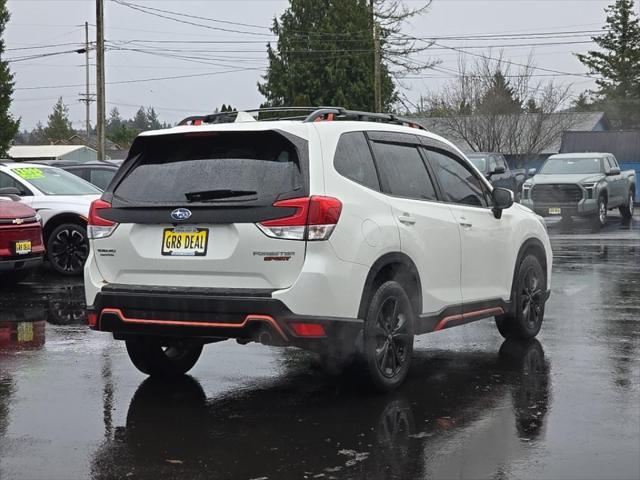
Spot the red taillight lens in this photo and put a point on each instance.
(314, 218)
(92, 319)
(99, 227)
(308, 329)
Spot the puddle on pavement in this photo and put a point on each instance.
(25, 308)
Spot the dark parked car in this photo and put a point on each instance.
(21, 245)
(98, 173)
(496, 169)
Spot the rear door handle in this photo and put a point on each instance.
(407, 219)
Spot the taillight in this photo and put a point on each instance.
(315, 218)
(99, 227)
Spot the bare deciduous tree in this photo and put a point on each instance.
(495, 108)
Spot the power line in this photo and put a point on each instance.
(141, 80)
(186, 22)
(41, 55)
(37, 47)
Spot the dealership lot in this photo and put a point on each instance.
(473, 406)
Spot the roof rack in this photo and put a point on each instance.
(304, 114)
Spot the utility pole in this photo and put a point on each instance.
(100, 127)
(377, 90)
(87, 97)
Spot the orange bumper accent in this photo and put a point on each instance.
(487, 312)
(177, 323)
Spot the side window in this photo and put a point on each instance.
(7, 181)
(492, 163)
(458, 183)
(353, 160)
(101, 177)
(402, 171)
(613, 162)
(501, 162)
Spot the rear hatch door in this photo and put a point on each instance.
(187, 205)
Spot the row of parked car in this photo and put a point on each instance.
(568, 185)
(43, 212)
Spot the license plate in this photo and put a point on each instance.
(22, 247)
(555, 211)
(185, 241)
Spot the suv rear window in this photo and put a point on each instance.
(211, 167)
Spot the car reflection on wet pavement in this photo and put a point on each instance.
(566, 405)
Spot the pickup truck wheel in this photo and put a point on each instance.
(627, 210)
(387, 344)
(600, 219)
(159, 358)
(68, 248)
(528, 297)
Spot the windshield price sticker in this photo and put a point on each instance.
(29, 173)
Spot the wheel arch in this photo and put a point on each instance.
(59, 219)
(392, 266)
(536, 248)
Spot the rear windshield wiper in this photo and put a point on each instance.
(217, 194)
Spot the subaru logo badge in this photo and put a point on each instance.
(181, 214)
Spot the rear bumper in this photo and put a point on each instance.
(20, 263)
(210, 314)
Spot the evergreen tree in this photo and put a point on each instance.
(499, 98)
(617, 63)
(8, 126)
(153, 123)
(114, 122)
(59, 126)
(323, 57)
(140, 121)
(532, 106)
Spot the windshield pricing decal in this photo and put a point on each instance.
(29, 173)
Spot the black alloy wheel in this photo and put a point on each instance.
(531, 299)
(388, 337)
(528, 297)
(392, 338)
(68, 248)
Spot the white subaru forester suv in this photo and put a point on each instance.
(345, 233)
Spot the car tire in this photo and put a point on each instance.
(387, 342)
(528, 296)
(600, 218)
(627, 210)
(68, 248)
(158, 358)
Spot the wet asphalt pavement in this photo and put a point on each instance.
(564, 406)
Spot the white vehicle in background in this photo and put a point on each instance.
(62, 200)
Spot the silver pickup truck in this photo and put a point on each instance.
(581, 184)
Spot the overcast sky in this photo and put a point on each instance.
(58, 24)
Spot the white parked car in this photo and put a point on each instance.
(62, 200)
(346, 233)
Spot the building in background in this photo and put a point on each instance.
(35, 153)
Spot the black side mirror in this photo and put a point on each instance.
(614, 171)
(496, 171)
(531, 172)
(502, 199)
(10, 191)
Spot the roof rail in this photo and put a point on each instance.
(313, 114)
